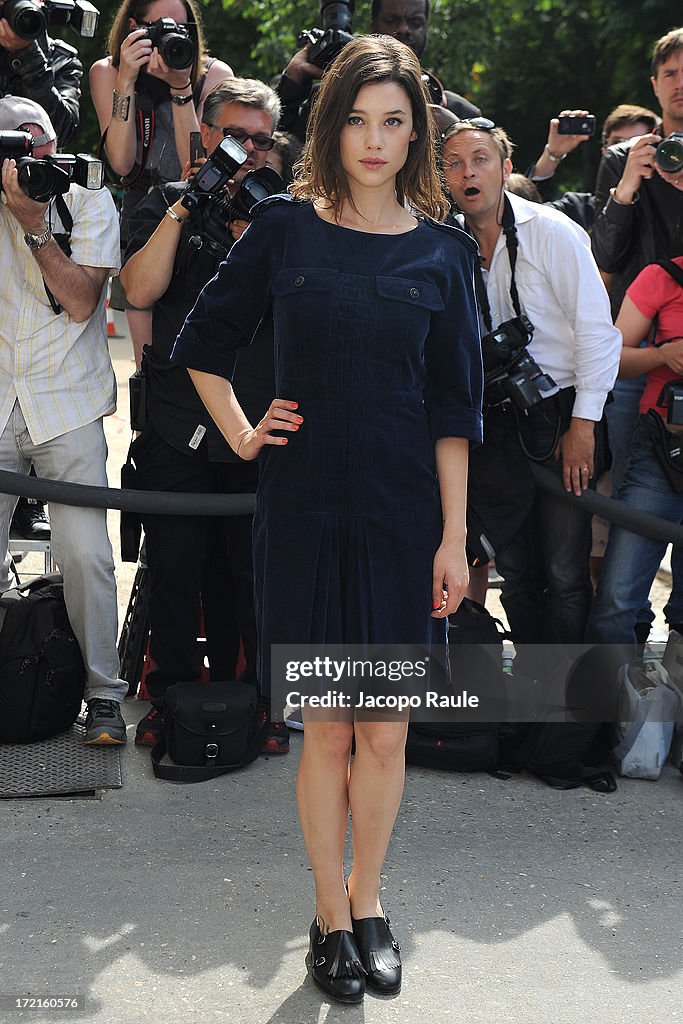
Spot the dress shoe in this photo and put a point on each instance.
(30, 521)
(335, 966)
(380, 954)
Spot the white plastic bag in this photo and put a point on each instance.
(673, 663)
(648, 707)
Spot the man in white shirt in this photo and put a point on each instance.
(556, 306)
(56, 384)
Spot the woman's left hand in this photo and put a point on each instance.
(450, 580)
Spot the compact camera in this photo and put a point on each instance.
(326, 42)
(576, 124)
(173, 41)
(669, 153)
(51, 175)
(30, 18)
(212, 208)
(511, 374)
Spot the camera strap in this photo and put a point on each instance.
(510, 232)
(63, 240)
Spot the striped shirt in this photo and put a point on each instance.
(58, 370)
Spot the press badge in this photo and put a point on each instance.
(196, 438)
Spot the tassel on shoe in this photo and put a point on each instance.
(335, 965)
(380, 954)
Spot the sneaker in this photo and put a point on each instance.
(276, 739)
(104, 724)
(150, 729)
(30, 521)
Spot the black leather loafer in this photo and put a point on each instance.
(380, 954)
(334, 964)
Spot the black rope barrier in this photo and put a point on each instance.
(174, 503)
(632, 519)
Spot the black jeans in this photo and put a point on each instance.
(547, 592)
(181, 574)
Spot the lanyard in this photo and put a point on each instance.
(510, 232)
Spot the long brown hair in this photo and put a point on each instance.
(365, 60)
(137, 10)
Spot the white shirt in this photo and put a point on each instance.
(562, 293)
(58, 370)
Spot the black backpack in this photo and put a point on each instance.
(42, 675)
(475, 641)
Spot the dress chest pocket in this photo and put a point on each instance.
(302, 304)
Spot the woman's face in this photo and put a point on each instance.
(162, 9)
(373, 143)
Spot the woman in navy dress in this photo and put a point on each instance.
(359, 532)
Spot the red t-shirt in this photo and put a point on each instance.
(656, 294)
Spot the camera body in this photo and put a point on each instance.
(671, 398)
(512, 375)
(576, 124)
(669, 153)
(173, 41)
(326, 42)
(212, 208)
(30, 18)
(52, 175)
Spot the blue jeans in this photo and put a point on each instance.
(631, 561)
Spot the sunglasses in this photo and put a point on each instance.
(262, 142)
(484, 124)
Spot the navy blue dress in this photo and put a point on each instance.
(377, 339)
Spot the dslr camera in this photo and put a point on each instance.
(669, 153)
(326, 42)
(173, 41)
(30, 18)
(52, 175)
(212, 208)
(511, 374)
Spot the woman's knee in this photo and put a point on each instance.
(383, 741)
(332, 739)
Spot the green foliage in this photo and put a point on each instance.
(521, 61)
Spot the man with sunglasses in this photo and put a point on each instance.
(537, 285)
(167, 263)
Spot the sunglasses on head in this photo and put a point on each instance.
(483, 124)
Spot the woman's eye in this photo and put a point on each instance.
(354, 119)
(394, 121)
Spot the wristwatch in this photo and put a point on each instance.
(38, 241)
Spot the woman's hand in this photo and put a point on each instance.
(281, 415)
(451, 577)
(136, 50)
(175, 78)
(672, 354)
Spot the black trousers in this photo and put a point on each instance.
(186, 572)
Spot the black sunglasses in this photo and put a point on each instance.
(484, 124)
(262, 142)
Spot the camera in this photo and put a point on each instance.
(30, 18)
(326, 42)
(576, 124)
(173, 41)
(52, 175)
(671, 398)
(669, 153)
(212, 208)
(511, 374)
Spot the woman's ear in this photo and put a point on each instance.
(413, 136)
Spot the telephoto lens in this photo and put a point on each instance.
(669, 153)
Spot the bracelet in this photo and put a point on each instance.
(180, 101)
(551, 156)
(120, 106)
(174, 216)
(244, 434)
(177, 88)
(613, 197)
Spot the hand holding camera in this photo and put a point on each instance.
(30, 213)
(163, 48)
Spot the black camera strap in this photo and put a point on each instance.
(63, 240)
(511, 243)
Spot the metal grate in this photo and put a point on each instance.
(59, 765)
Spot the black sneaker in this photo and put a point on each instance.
(276, 739)
(104, 724)
(30, 521)
(150, 729)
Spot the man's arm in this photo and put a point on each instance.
(50, 74)
(620, 175)
(146, 275)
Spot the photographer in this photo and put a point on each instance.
(540, 294)
(44, 70)
(169, 259)
(405, 20)
(57, 383)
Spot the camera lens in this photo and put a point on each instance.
(25, 18)
(177, 51)
(669, 154)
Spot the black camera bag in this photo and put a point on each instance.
(211, 729)
(42, 675)
(668, 448)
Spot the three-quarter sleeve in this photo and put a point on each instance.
(454, 386)
(230, 308)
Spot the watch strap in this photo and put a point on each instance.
(38, 241)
